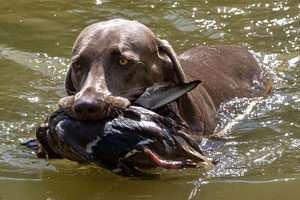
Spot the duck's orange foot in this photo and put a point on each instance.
(169, 164)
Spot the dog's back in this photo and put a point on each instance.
(226, 72)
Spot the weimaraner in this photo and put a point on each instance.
(114, 61)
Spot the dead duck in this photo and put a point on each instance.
(136, 138)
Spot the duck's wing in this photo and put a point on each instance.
(160, 95)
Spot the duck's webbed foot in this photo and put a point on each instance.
(169, 164)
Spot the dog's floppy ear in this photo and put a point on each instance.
(70, 89)
(157, 96)
(164, 46)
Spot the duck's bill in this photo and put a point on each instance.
(32, 144)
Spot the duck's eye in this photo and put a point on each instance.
(123, 61)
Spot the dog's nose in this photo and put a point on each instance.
(86, 107)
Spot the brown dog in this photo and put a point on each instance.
(114, 61)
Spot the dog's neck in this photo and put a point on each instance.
(200, 116)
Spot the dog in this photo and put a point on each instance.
(114, 61)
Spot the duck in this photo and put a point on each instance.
(147, 134)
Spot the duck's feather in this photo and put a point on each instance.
(158, 96)
(127, 142)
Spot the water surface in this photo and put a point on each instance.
(260, 156)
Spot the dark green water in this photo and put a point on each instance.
(260, 158)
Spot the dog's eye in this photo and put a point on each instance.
(123, 61)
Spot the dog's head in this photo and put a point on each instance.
(113, 62)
